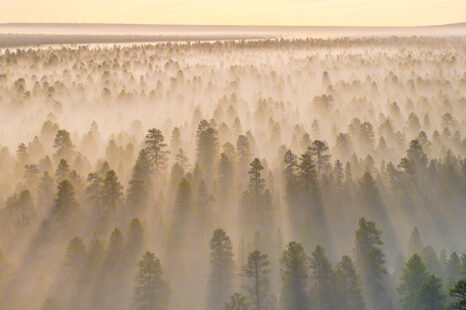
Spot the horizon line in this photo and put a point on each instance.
(458, 24)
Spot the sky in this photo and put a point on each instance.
(237, 12)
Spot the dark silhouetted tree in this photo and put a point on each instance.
(155, 148)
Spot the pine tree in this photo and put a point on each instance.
(182, 160)
(349, 296)
(63, 171)
(413, 277)
(139, 185)
(294, 275)
(256, 279)
(22, 153)
(226, 175)
(94, 190)
(371, 200)
(290, 161)
(221, 269)
(66, 204)
(115, 252)
(152, 291)
(175, 140)
(370, 262)
(458, 292)
(112, 191)
(308, 174)
(155, 148)
(338, 175)
(453, 268)
(256, 199)
(256, 182)
(430, 295)
(322, 280)
(183, 197)
(415, 162)
(207, 146)
(75, 258)
(20, 208)
(63, 145)
(319, 151)
(244, 153)
(236, 302)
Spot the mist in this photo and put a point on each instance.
(225, 173)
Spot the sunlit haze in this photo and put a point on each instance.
(238, 12)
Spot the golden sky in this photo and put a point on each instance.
(238, 12)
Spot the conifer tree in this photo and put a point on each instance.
(75, 258)
(155, 148)
(294, 275)
(183, 196)
(115, 251)
(413, 277)
(66, 204)
(152, 291)
(139, 185)
(94, 191)
(22, 153)
(221, 269)
(243, 153)
(256, 199)
(453, 269)
(322, 280)
(319, 151)
(290, 161)
(458, 292)
(63, 145)
(63, 171)
(430, 294)
(370, 262)
(225, 175)
(256, 279)
(112, 191)
(207, 146)
(338, 175)
(348, 286)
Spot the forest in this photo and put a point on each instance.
(265, 174)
